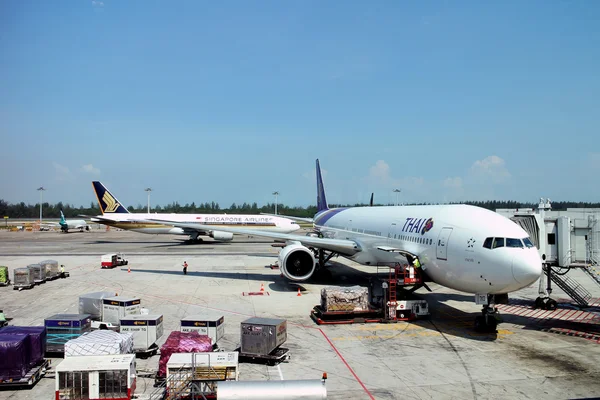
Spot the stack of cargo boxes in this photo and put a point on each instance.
(117, 307)
(64, 327)
(39, 273)
(101, 342)
(146, 330)
(23, 278)
(4, 278)
(51, 267)
(211, 325)
(22, 350)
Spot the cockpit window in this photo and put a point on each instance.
(498, 242)
(528, 243)
(511, 242)
(488, 243)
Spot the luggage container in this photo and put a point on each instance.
(181, 342)
(23, 278)
(146, 330)
(36, 341)
(64, 327)
(117, 307)
(4, 277)
(52, 270)
(39, 273)
(97, 343)
(261, 336)
(211, 325)
(16, 356)
(91, 303)
(96, 377)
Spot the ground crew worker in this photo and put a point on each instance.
(185, 265)
(417, 263)
(62, 271)
(2, 318)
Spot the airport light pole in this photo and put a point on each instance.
(397, 191)
(276, 194)
(41, 190)
(148, 190)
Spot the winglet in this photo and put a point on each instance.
(321, 200)
(108, 203)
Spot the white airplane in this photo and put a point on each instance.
(66, 224)
(462, 247)
(115, 215)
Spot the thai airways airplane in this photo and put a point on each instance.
(462, 247)
(115, 215)
(66, 224)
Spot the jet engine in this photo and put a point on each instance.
(296, 262)
(223, 236)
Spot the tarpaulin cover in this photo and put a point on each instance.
(353, 298)
(37, 340)
(3, 274)
(23, 276)
(51, 267)
(98, 343)
(14, 353)
(91, 303)
(182, 342)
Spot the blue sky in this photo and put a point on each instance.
(229, 101)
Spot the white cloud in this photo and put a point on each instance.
(491, 169)
(90, 169)
(62, 173)
(97, 3)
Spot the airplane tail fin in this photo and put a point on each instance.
(108, 203)
(62, 218)
(321, 200)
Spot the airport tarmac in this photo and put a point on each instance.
(441, 357)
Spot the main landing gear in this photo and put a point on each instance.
(490, 317)
(194, 238)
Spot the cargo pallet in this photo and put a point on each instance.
(275, 357)
(5, 283)
(149, 352)
(322, 317)
(31, 285)
(29, 380)
(52, 278)
(39, 281)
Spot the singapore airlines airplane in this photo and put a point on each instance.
(115, 215)
(462, 247)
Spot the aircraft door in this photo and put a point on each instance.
(391, 233)
(442, 244)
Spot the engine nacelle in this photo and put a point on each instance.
(297, 262)
(223, 236)
(176, 231)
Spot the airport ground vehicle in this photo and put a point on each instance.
(112, 260)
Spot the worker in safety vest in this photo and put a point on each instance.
(185, 265)
(2, 318)
(417, 263)
(62, 270)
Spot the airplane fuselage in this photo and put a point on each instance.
(447, 239)
(72, 224)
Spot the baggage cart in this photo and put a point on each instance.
(211, 325)
(52, 270)
(64, 327)
(146, 330)
(23, 278)
(39, 273)
(117, 307)
(4, 277)
(261, 339)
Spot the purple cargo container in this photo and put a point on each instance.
(14, 354)
(37, 341)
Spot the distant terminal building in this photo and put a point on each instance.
(565, 238)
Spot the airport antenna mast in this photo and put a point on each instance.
(41, 190)
(148, 190)
(276, 194)
(397, 191)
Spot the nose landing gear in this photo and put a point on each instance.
(490, 317)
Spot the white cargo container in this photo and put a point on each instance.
(146, 330)
(96, 377)
(215, 366)
(117, 307)
(211, 325)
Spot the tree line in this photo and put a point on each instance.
(22, 210)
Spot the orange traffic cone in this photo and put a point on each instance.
(299, 294)
(262, 287)
(129, 269)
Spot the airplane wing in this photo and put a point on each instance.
(348, 247)
(299, 219)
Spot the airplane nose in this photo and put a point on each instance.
(527, 266)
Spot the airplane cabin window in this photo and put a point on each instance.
(488, 243)
(498, 242)
(528, 243)
(511, 242)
